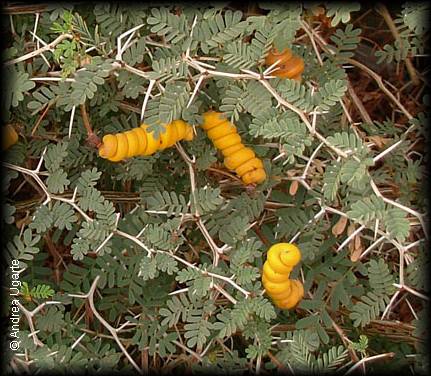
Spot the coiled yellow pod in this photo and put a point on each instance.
(139, 141)
(238, 157)
(9, 137)
(290, 65)
(281, 259)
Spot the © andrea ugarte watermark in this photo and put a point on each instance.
(14, 317)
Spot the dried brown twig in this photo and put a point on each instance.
(92, 138)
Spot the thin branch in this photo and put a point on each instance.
(391, 302)
(303, 118)
(400, 206)
(304, 174)
(412, 291)
(120, 48)
(33, 174)
(198, 84)
(210, 274)
(91, 136)
(346, 341)
(350, 237)
(369, 71)
(382, 86)
(90, 298)
(41, 117)
(371, 358)
(386, 151)
(29, 316)
(359, 105)
(35, 24)
(383, 11)
(72, 116)
(135, 240)
(37, 52)
(374, 244)
(225, 293)
(147, 97)
(313, 42)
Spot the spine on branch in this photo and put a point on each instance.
(281, 259)
(237, 157)
(138, 141)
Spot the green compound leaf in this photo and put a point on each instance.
(23, 249)
(380, 277)
(42, 292)
(397, 225)
(370, 306)
(52, 320)
(170, 201)
(340, 12)
(330, 94)
(18, 83)
(346, 42)
(368, 209)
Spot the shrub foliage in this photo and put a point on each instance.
(156, 261)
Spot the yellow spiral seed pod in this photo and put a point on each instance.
(297, 293)
(238, 157)
(139, 141)
(273, 276)
(275, 288)
(9, 137)
(281, 259)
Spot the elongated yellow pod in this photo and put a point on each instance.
(237, 157)
(281, 259)
(138, 141)
(9, 137)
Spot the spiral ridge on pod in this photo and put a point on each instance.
(237, 157)
(138, 141)
(281, 259)
(290, 65)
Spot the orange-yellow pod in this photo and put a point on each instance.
(291, 68)
(274, 55)
(153, 143)
(274, 288)
(290, 65)
(281, 259)
(122, 148)
(287, 303)
(227, 141)
(132, 143)
(250, 165)
(167, 138)
(9, 137)
(297, 293)
(221, 130)
(255, 176)
(231, 150)
(142, 138)
(184, 130)
(238, 157)
(273, 276)
(212, 119)
(139, 141)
